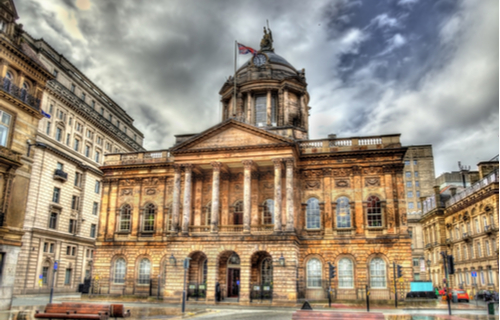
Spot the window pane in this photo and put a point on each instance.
(314, 273)
(144, 271)
(343, 213)
(377, 273)
(268, 214)
(125, 218)
(346, 278)
(4, 132)
(374, 212)
(312, 214)
(119, 276)
(260, 110)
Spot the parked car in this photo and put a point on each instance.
(461, 295)
(483, 295)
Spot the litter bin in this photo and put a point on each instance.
(491, 308)
(455, 298)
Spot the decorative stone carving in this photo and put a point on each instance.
(312, 184)
(127, 192)
(150, 181)
(342, 172)
(151, 191)
(342, 183)
(372, 182)
(127, 182)
(327, 172)
(268, 185)
(312, 174)
(372, 170)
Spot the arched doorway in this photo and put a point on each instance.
(228, 286)
(261, 276)
(197, 276)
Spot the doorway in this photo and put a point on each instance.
(238, 213)
(233, 281)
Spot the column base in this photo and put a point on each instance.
(246, 231)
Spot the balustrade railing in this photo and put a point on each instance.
(138, 157)
(199, 229)
(6, 85)
(231, 229)
(326, 145)
(486, 181)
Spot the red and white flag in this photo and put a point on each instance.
(244, 49)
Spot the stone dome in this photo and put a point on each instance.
(274, 60)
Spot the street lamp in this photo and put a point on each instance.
(172, 260)
(282, 260)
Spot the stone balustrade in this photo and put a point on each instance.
(137, 158)
(347, 144)
(486, 181)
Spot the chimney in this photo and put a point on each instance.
(332, 136)
(453, 190)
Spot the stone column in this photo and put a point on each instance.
(215, 197)
(327, 194)
(268, 107)
(286, 115)
(277, 194)
(3, 68)
(186, 209)
(249, 108)
(177, 198)
(289, 195)
(247, 194)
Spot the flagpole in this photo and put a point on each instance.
(234, 78)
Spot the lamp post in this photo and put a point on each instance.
(186, 267)
(282, 260)
(90, 272)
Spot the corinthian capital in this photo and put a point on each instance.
(247, 164)
(277, 163)
(216, 165)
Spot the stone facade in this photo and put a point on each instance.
(464, 224)
(419, 180)
(258, 210)
(22, 81)
(62, 213)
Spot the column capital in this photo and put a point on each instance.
(216, 165)
(247, 164)
(327, 172)
(289, 162)
(188, 167)
(278, 163)
(4, 62)
(177, 167)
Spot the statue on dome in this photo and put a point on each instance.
(266, 44)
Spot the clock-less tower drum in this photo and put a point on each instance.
(270, 94)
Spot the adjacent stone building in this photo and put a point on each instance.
(419, 180)
(62, 213)
(22, 81)
(464, 224)
(258, 208)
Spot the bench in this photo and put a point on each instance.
(331, 315)
(71, 310)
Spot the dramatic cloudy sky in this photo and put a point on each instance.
(427, 69)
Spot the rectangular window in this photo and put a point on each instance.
(95, 208)
(67, 277)
(410, 205)
(4, 128)
(53, 220)
(58, 134)
(261, 110)
(487, 245)
(408, 184)
(55, 73)
(415, 162)
(70, 121)
(110, 117)
(59, 166)
(93, 228)
(51, 108)
(78, 127)
(83, 97)
(118, 124)
(76, 145)
(72, 226)
(415, 174)
(418, 194)
(408, 174)
(68, 250)
(78, 179)
(75, 203)
(97, 188)
(45, 275)
(51, 248)
(407, 162)
(410, 194)
(479, 252)
(73, 87)
(93, 104)
(135, 137)
(102, 111)
(108, 146)
(73, 251)
(99, 141)
(417, 184)
(416, 262)
(87, 151)
(47, 130)
(45, 247)
(56, 194)
(97, 156)
(67, 139)
(125, 130)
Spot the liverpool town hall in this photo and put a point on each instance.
(258, 208)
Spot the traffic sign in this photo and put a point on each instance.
(473, 274)
(55, 265)
(40, 276)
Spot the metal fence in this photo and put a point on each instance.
(261, 291)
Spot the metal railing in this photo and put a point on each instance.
(261, 291)
(486, 181)
(58, 173)
(6, 85)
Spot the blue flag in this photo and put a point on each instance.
(46, 114)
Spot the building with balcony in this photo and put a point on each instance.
(23, 79)
(62, 213)
(464, 224)
(258, 208)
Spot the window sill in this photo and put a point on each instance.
(122, 232)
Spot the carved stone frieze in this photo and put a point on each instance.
(342, 183)
(150, 181)
(372, 170)
(312, 174)
(150, 191)
(342, 172)
(312, 184)
(127, 182)
(127, 192)
(268, 185)
(372, 182)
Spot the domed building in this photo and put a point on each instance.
(258, 209)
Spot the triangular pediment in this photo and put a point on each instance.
(10, 7)
(232, 134)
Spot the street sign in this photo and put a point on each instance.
(40, 276)
(55, 265)
(473, 274)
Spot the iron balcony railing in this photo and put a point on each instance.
(1, 218)
(58, 173)
(6, 85)
(486, 181)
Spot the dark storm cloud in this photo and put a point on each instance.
(426, 69)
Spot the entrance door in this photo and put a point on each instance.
(238, 213)
(233, 282)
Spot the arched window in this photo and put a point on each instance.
(24, 91)
(346, 274)
(144, 271)
(268, 212)
(312, 214)
(238, 213)
(120, 271)
(204, 272)
(343, 213)
(8, 80)
(377, 273)
(374, 212)
(125, 218)
(149, 218)
(208, 213)
(267, 272)
(314, 273)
